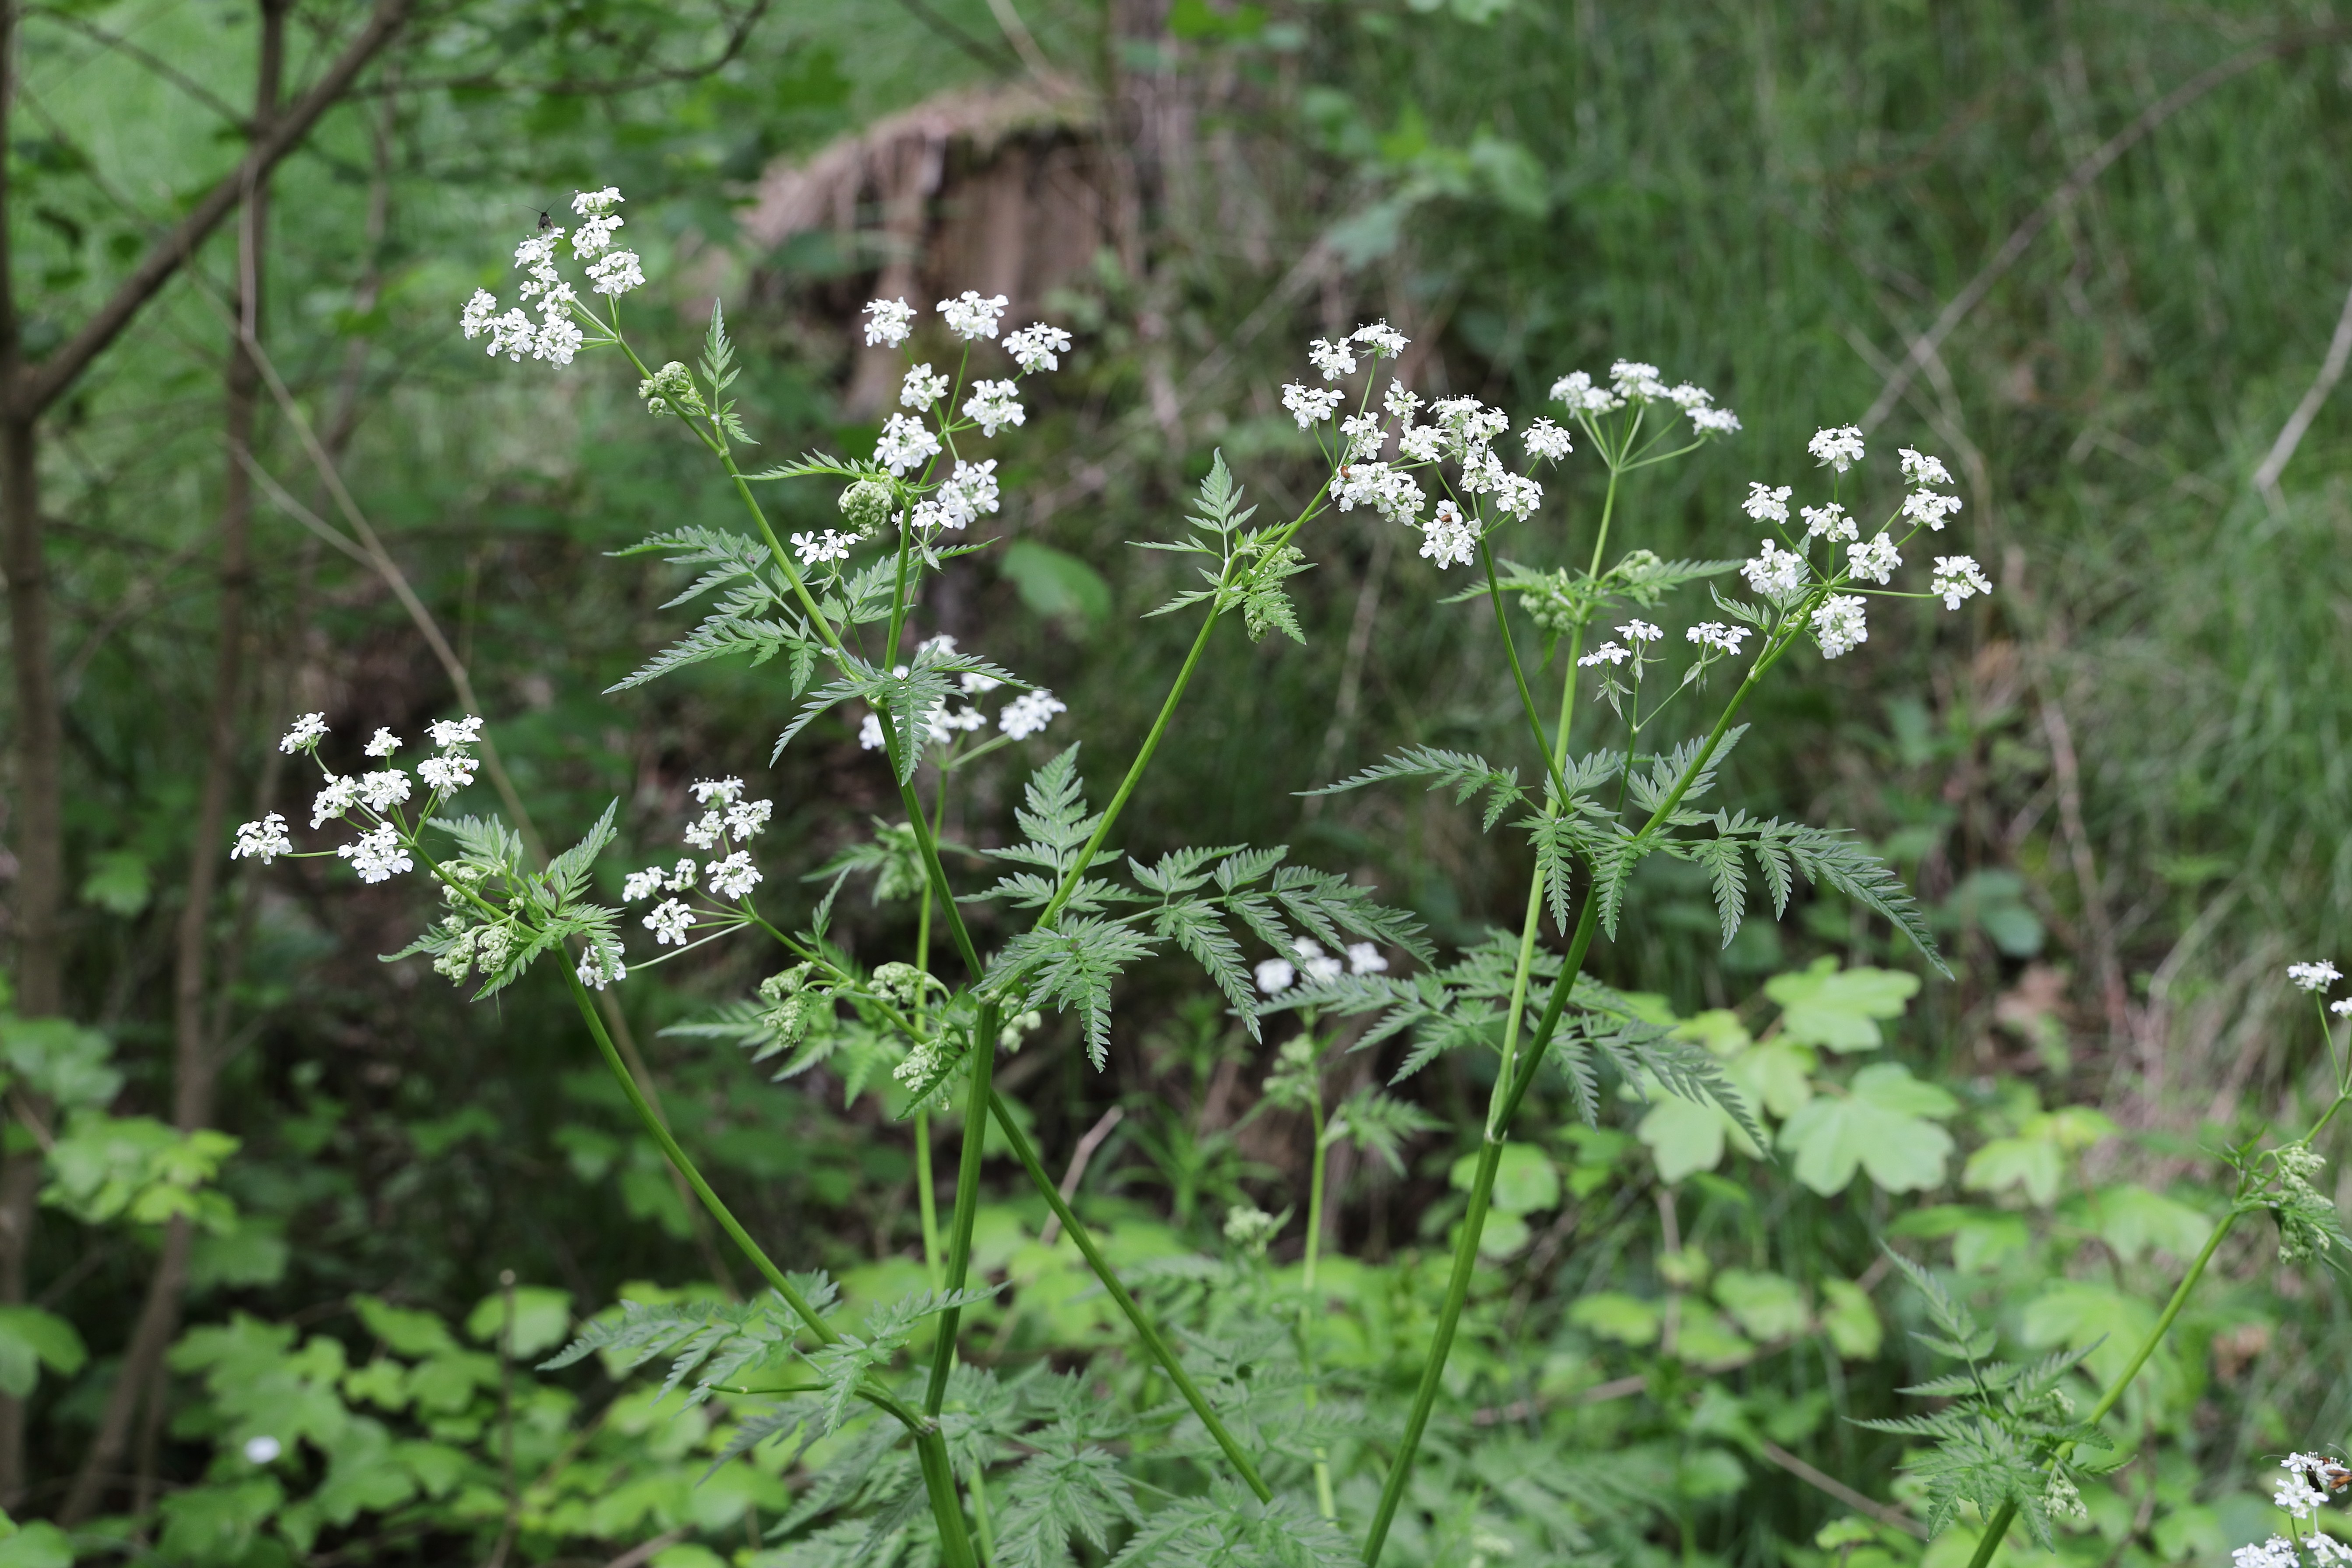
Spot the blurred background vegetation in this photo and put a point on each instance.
(2120, 784)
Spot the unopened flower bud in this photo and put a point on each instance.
(866, 505)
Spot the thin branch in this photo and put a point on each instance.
(573, 87)
(990, 55)
(37, 386)
(1077, 1171)
(2078, 181)
(1894, 1519)
(2290, 436)
(155, 63)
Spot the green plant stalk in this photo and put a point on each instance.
(967, 1198)
(946, 1509)
(1510, 1089)
(1997, 1528)
(927, 1198)
(1324, 1502)
(1158, 1347)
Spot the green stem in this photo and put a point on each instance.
(946, 1509)
(927, 1198)
(1510, 1089)
(1325, 1501)
(1997, 1530)
(1152, 1342)
(983, 1057)
(1518, 675)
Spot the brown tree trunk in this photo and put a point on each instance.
(194, 1067)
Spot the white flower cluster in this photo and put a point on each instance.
(1717, 635)
(1026, 715)
(2316, 976)
(969, 316)
(1957, 577)
(905, 443)
(1838, 625)
(994, 405)
(727, 822)
(2310, 1479)
(1632, 382)
(816, 549)
(2300, 1492)
(556, 336)
(1276, 975)
(1037, 347)
(921, 389)
(1840, 447)
(967, 494)
(380, 851)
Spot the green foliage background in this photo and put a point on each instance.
(2119, 783)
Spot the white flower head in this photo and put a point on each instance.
(1037, 347)
(1918, 469)
(733, 877)
(682, 875)
(1714, 421)
(1607, 653)
(262, 1450)
(448, 733)
(2342, 1010)
(263, 841)
(1779, 574)
(1310, 405)
(887, 322)
(597, 204)
(669, 921)
(1874, 562)
(1930, 506)
(447, 774)
(1274, 976)
(2276, 1552)
(1829, 521)
(1766, 504)
(599, 966)
(382, 743)
(1450, 539)
(1577, 390)
(1640, 631)
(816, 549)
(704, 831)
(378, 856)
(1545, 441)
(1381, 340)
(480, 313)
(724, 791)
(921, 388)
(1399, 401)
(748, 818)
(969, 316)
(1957, 577)
(384, 790)
(869, 734)
(994, 404)
(2314, 976)
(905, 443)
(1839, 447)
(1717, 635)
(1334, 360)
(1365, 957)
(340, 795)
(1029, 713)
(1365, 435)
(617, 272)
(642, 885)
(968, 494)
(1838, 625)
(1515, 495)
(1634, 379)
(307, 733)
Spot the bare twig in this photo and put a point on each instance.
(2290, 435)
(2076, 182)
(155, 63)
(1894, 1518)
(644, 1552)
(1085, 1151)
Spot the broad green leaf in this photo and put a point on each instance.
(1613, 1315)
(1776, 1074)
(1056, 584)
(542, 1317)
(1839, 1010)
(1684, 1136)
(1885, 1124)
(1703, 1339)
(405, 1330)
(118, 882)
(31, 1339)
(2032, 1164)
(37, 1544)
(2134, 1220)
(1767, 1306)
(60, 1060)
(2078, 1313)
(1851, 1320)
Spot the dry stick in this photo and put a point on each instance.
(2078, 180)
(1892, 1517)
(1077, 1171)
(2290, 435)
(371, 554)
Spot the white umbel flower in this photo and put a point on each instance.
(1717, 635)
(1547, 442)
(1577, 390)
(733, 877)
(1715, 421)
(384, 790)
(599, 968)
(1310, 405)
(617, 272)
(1334, 360)
(340, 795)
(1037, 347)
(1450, 539)
(1607, 653)
(1930, 506)
(1029, 713)
(1381, 340)
(747, 818)
(724, 791)
(378, 856)
(969, 316)
(2278, 1551)
(921, 388)
(307, 733)
(1874, 562)
(1839, 447)
(888, 322)
(905, 444)
(382, 743)
(1829, 521)
(447, 774)
(263, 841)
(1838, 625)
(448, 733)
(1779, 574)
(669, 921)
(1640, 631)
(642, 885)
(1274, 976)
(1957, 577)
(1365, 957)
(1918, 469)
(816, 549)
(2317, 975)
(1317, 965)
(994, 404)
(1766, 504)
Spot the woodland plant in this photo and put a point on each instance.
(1239, 1439)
